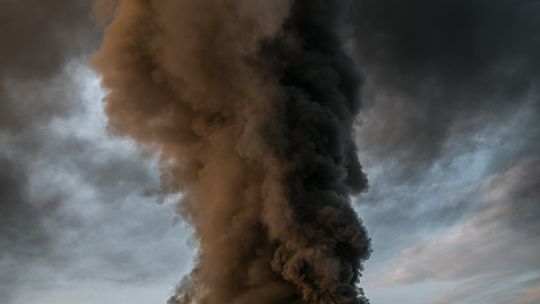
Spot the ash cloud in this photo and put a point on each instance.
(437, 71)
(251, 105)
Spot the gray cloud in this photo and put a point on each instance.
(498, 241)
(450, 97)
(38, 38)
(91, 200)
(493, 290)
(17, 216)
(76, 205)
(436, 70)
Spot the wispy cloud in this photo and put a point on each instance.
(496, 243)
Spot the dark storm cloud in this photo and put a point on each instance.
(450, 97)
(38, 38)
(21, 230)
(436, 70)
(41, 170)
(447, 193)
(17, 215)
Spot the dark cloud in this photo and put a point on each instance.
(38, 38)
(21, 229)
(448, 193)
(22, 138)
(450, 97)
(57, 167)
(436, 70)
(17, 214)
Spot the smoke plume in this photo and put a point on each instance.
(251, 104)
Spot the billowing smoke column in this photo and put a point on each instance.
(251, 104)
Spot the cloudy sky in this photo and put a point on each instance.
(449, 135)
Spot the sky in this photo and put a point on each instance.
(448, 134)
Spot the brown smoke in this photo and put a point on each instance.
(250, 103)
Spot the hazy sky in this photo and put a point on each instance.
(449, 136)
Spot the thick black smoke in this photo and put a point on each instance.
(321, 86)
